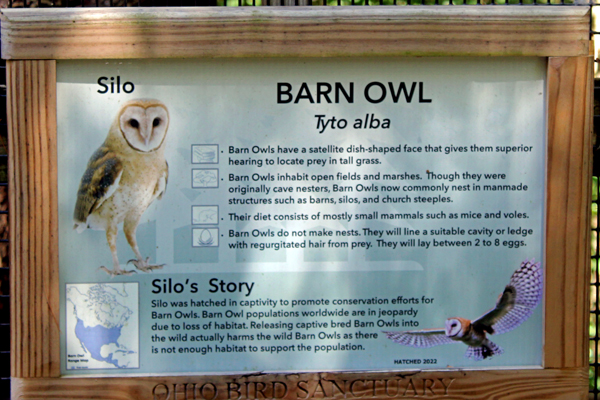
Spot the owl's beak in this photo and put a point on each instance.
(145, 137)
(146, 133)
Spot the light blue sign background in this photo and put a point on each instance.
(487, 102)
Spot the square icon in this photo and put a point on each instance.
(205, 154)
(205, 178)
(205, 215)
(205, 237)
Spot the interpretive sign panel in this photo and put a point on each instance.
(297, 215)
(312, 202)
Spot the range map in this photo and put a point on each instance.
(102, 326)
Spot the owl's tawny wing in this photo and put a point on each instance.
(161, 185)
(520, 298)
(99, 181)
(422, 339)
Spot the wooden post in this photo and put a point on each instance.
(33, 237)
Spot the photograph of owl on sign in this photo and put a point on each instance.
(514, 306)
(124, 176)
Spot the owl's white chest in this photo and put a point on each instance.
(134, 194)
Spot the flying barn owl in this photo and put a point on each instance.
(124, 176)
(514, 306)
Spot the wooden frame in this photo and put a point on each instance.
(33, 39)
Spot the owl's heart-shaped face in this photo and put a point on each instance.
(144, 128)
(454, 327)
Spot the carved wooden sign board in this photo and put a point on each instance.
(270, 203)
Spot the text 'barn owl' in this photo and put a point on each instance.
(124, 176)
(514, 306)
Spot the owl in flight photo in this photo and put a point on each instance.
(124, 176)
(514, 306)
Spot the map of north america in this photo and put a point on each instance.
(102, 326)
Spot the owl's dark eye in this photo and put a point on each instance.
(156, 122)
(134, 123)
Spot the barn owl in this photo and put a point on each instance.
(124, 176)
(514, 306)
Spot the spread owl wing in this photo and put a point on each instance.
(518, 301)
(422, 339)
(98, 183)
(161, 185)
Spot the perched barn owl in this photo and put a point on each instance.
(124, 176)
(514, 306)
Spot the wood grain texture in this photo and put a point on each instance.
(33, 219)
(568, 204)
(567, 384)
(298, 31)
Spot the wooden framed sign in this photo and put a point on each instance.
(269, 203)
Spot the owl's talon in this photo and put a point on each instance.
(143, 265)
(116, 271)
(153, 267)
